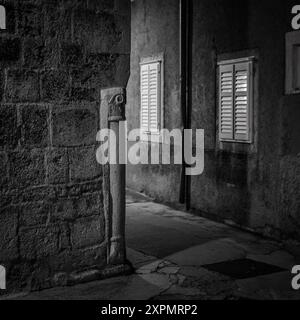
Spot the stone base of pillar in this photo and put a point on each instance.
(64, 279)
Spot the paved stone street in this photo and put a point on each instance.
(177, 255)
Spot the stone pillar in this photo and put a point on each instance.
(117, 176)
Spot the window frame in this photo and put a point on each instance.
(250, 94)
(159, 58)
(292, 39)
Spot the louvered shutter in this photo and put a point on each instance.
(226, 102)
(145, 97)
(154, 96)
(150, 97)
(242, 100)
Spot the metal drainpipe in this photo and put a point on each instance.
(185, 68)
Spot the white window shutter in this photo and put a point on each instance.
(150, 97)
(2, 18)
(145, 97)
(242, 98)
(226, 102)
(154, 96)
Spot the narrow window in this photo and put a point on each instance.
(151, 96)
(235, 78)
(292, 81)
(2, 18)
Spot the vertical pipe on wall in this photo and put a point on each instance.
(182, 81)
(189, 52)
(185, 66)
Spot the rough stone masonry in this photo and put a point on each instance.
(55, 56)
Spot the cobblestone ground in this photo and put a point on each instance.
(177, 255)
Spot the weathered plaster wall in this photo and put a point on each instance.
(54, 59)
(254, 186)
(154, 28)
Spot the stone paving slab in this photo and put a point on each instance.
(208, 253)
(272, 287)
(278, 258)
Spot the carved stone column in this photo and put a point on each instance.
(116, 113)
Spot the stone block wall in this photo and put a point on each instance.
(55, 57)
